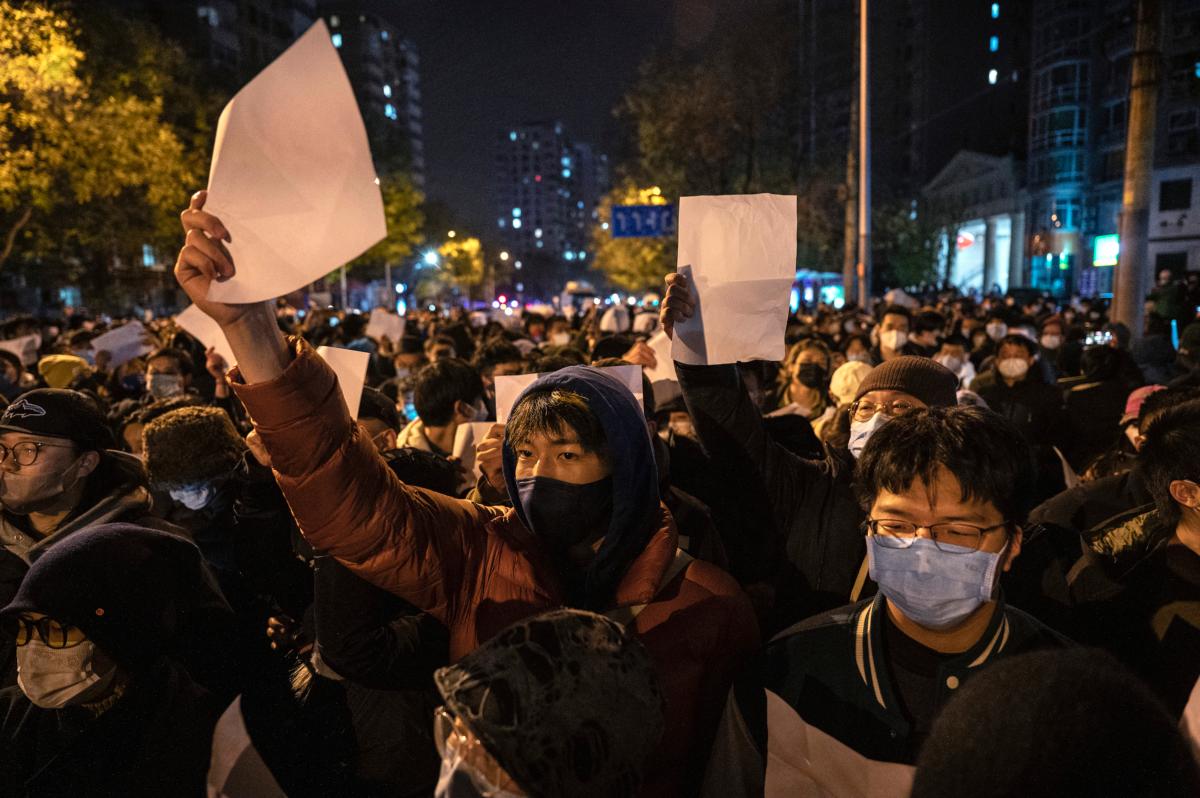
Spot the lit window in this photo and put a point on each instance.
(994, 43)
(569, 255)
(516, 224)
(537, 232)
(516, 213)
(539, 244)
(992, 76)
(566, 173)
(389, 111)
(384, 35)
(334, 21)
(337, 40)
(512, 136)
(502, 222)
(579, 205)
(387, 90)
(566, 161)
(517, 265)
(995, 11)
(583, 256)
(148, 258)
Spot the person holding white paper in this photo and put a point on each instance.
(587, 528)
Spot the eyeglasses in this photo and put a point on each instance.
(864, 410)
(951, 538)
(453, 740)
(26, 453)
(51, 632)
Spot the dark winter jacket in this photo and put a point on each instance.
(477, 569)
(813, 550)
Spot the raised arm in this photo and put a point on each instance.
(423, 547)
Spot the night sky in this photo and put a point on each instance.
(488, 64)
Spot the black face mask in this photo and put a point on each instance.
(810, 375)
(565, 514)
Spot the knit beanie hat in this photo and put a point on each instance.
(925, 379)
(846, 379)
(123, 585)
(566, 702)
(59, 370)
(191, 445)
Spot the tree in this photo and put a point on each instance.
(403, 208)
(462, 263)
(91, 169)
(905, 240)
(631, 264)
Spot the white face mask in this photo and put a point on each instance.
(952, 362)
(1051, 341)
(53, 678)
(1014, 368)
(162, 386)
(193, 497)
(859, 357)
(893, 339)
(997, 330)
(861, 431)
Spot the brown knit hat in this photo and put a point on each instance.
(190, 445)
(929, 381)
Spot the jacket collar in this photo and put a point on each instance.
(643, 580)
(869, 646)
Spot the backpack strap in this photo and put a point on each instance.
(626, 615)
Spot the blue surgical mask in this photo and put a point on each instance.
(193, 497)
(861, 431)
(935, 589)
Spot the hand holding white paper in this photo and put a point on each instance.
(292, 177)
(509, 387)
(739, 255)
(350, 366)
(466, 438)
(124, 343)
(196, 323)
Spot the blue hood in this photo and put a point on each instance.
(634, 476)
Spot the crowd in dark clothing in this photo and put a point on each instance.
(845, 573)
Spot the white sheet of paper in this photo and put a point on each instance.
(25, 347)
(350, 366)
(665, 368)
(1190, 722)
(292, 176)
(197, 324)
(739, 254)
(466, 438)
(509, 387)
(124, 343)
(383, 322)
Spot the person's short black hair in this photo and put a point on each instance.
(1016, 339)
(1171, 452)
(560, 360)
(183, 361)
(862, 339)
(1159, 401)
(929, 321)
(375, 404)
(611, 346)
(494, 352)
(896, 310)
(1069, 721)
(956, 339)
(985, 453)
(440, 340)
(550, 411)
(442, 384)
(354, 325)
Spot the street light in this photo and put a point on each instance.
(451, 234)
(430, 258)
(504, 256)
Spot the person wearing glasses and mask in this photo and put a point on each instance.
(839, 704)
(813, 502)
(102, 707)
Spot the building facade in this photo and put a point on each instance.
(547, 189)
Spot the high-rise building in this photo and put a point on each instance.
(384, 70)
(1078, 125)
(547, 188)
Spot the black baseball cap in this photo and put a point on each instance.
(59, 413)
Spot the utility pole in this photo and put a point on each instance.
(1144, 79)
(864, 162)
(850, 229)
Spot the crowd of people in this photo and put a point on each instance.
(947, 546)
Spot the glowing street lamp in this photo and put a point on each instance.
(430, 258)
(504, 256)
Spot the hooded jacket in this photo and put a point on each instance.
(479, 569)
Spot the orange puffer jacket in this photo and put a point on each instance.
(478, 569)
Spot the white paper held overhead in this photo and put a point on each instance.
(384, 323)
(739, 254)
(466, 438)
(126, 342)
(509, 387)
(350, 366)
(292, 176)
(26, 348)
(196, 323)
